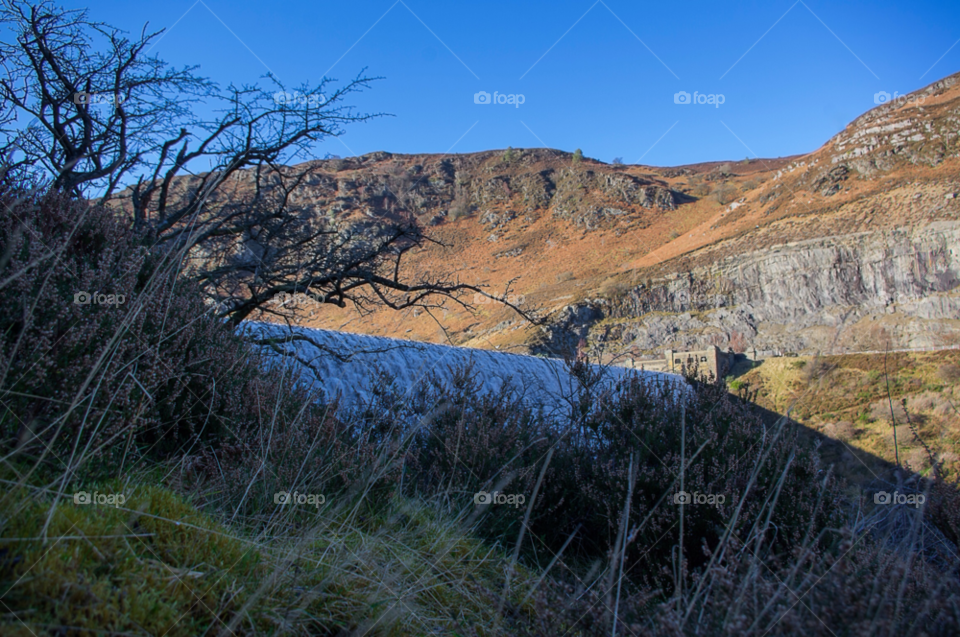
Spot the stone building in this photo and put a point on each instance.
(707, 361)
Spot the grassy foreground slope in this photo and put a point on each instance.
(149, 455)
(159, 565)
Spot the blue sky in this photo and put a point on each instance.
(600, 75)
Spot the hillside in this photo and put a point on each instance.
(847, 248)
(851, 403)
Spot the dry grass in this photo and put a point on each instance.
(949, 373)
(853, 389)
(158, 565)
(397, 547)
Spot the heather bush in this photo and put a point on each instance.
(862, 588)
(726, 450)
(157, 390)
(287, 440)
(91, 390)
(92, 387)
(459, 440)
(474, 441)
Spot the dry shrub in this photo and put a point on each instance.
(612, 288)
(916, 459)
(476, 443)
(817, 369)
(699, 187)
(881, 410)
(858, 587)
(945, 408)
(943, 505)
(725, 193)
(91, 386)
(927, 401)
(286, 440)
(904, 437)
(460, 207)
(949, 373)
(949, 461)
(843, 430)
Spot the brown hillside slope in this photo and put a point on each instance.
(584, 240)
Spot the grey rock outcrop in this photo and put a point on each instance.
(826, 294)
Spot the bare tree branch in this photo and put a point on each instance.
(109, 122)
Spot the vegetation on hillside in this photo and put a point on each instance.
(862, 400)
(185, 441)
(164, 476)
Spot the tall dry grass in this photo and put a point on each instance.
(156, 400)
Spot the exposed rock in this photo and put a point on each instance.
(493, 220)
(513, 252)
(829, 181)
(901, 130)
(385, 185)
(794, 297)
(561, 337)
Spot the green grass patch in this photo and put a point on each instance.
(158, 565)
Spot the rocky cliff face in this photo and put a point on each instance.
(437, 188)
(853, 292)
(852, 246)
(920, 128)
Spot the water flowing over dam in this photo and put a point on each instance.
(350, 374)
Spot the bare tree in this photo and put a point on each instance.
(82, 102)
(106, 121)
(274, 248)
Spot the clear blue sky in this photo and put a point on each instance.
(596, 75)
